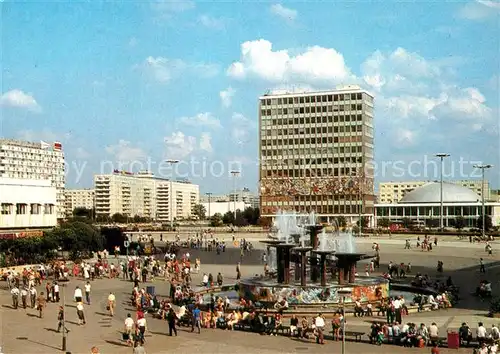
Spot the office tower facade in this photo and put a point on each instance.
(35, 161)
(316, 153)
(144, 195)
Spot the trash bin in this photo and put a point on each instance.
(150, 290)
(453, 340)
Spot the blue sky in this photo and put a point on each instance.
(129, 84)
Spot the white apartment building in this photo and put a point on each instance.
(213, 208)
(244, 195)
(27, 203)
(393, 192)
(39, 161)
(144, 195)
(316, 150)
(78, 198)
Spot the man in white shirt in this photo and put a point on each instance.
(433, 333)
(56, 292)
(78, 294)
(494, 333)
(397, 309)
(205, 280)
(129, 325)
(319, 322)
(87, 292)
(111, 304)
(24, 297)
(15, 296)
(33, 294)
(481, 333)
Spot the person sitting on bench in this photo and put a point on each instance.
(294, 323)
(358, 309)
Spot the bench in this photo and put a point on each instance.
(357, 335)
(284, 330)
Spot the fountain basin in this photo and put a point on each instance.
(269, 291)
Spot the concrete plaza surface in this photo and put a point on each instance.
(22, 332)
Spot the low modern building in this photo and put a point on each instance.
(78, 198)
(244, 195)
(27, 204)
(423, 204)
(144, 195)
(223, 207)
(393, 192)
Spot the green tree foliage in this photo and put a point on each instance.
(364, 222)
(200, 211)
(83, 213)
(341, 221)
(249, 216)
(488, 224)
(216, 220)
(119, 218)
(384, 222)
(460, 222)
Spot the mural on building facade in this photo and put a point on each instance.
(278, 185)
(312, 295)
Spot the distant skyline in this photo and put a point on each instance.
(128, 85)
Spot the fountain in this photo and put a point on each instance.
(300, 240)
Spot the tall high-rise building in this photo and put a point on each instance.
(35, 161)
(78, 198)
(316, 153)
(144, 195)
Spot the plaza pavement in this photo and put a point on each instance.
(22, 332)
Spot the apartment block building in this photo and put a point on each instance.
(244, 195)
(35, 161)
(144, 195)
(316, 153)
(78, 198)
(393, 192)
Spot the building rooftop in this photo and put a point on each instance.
(431, 193)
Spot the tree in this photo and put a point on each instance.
(251, 215)
(119, 218)
(216, 220)
(83, 213)
(488, 224)
(341, 221)
(460, 222)
(228, 218)
(384, 222)
(364, 222)
(200, 211)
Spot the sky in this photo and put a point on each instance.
(130, 85)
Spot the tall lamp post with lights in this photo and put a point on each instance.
(482, 168)
(209, 194)
(172, 163)
(441, 211)
(342, 293)
(234, 174)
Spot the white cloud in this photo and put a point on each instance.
(201, 120)
(124, 151)
(284, 12)
(242, 129)
(168, 8)
(226, 96)
(316, 64)
(179, 145)
(405, 137)
(20, 99)
(480, 10)
(211, 22)
(205, 143)
(81, 153)
(163, 69)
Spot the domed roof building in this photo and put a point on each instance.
(431, 193)
(423, 206)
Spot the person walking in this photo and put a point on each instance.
(171, 318)
(60, 319)
(111, 304)
(78, 294)
(41, 303)
(196, 319)
(482, 269)
(15, 296)
(33, 295)
(24, 297)
(87, 292)
(56, 292)
(80, 314)
(129, 326)
(238, 271)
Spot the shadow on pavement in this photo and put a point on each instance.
(38, 343)
(8, 307)
(50, 329)
(117, 343)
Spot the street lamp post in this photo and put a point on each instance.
(172, 162)
(209, 197)
(343, 293)
(441, 212)
(482, 168)
(234, 174)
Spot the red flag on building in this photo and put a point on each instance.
(57, 146)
